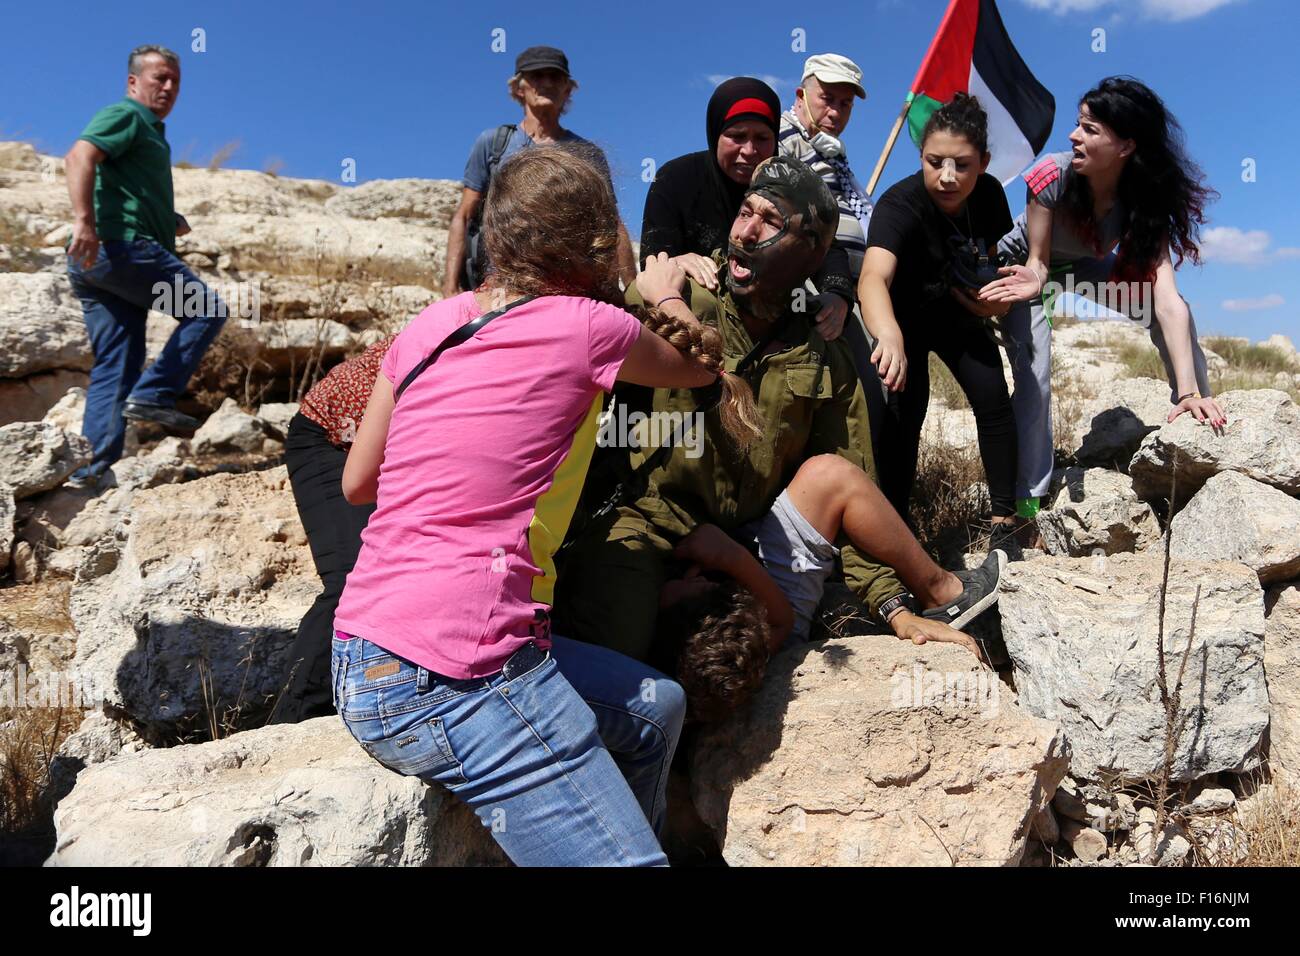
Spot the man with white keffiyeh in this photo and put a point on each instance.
(810, 132)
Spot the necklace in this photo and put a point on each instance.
(970, 225)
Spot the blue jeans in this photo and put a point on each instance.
(566, 764)
(116, 294)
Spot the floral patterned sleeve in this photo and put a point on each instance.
(338, 401)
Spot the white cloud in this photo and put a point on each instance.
(1168, 10)
(1254, 305)
(1242, 247)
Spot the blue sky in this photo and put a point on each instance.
(403, 87)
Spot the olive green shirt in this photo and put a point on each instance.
(810, 398)
(133, 185)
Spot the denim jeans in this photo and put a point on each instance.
(116, 294)
(566, 764)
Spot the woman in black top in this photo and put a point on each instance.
(917, 297)
(694, 198)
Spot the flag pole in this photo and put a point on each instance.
(889, 146)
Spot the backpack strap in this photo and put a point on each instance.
(462, 334)
(500, 141)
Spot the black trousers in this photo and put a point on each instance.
(334, 532)
(962, 343)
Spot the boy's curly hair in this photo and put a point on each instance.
(716, 645)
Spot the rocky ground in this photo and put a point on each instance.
(169, 600)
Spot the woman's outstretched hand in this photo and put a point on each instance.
(1018, 284)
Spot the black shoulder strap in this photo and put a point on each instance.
(499, 143)
(462, 334)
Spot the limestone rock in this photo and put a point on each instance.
(1261, 440)
(865, 751)
(35, 631)
(63, 523)
(1088, 844)
(432, 202)
(1235, 518)
(276, 416)
(30, 399)
(1173, 846)
(41, 328)
(38, 456)
(100, 737)
(1047, 829)
(284, 795)
(1081, 634)
(187, 619)
(229, 428)
(296, 341)
(1068, 802)
(6, 525)
(1126, 411)
(1283, 345)
(1096, 512)
(69, 411)
(1213, 800)
(26, 566)
(1219, 842)
(1282, 664)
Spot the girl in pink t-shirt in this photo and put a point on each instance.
(443, 665)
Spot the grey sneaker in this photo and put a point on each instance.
(169, 418)
(979, 593)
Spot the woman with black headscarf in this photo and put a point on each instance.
(694, 198)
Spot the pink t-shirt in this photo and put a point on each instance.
(486, 455)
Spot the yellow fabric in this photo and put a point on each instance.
(556, 505)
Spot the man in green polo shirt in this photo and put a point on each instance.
(123, 245)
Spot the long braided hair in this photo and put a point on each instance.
(550, 223)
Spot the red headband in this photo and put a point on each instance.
(750, 105)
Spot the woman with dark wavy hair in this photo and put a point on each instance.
(1127, 183)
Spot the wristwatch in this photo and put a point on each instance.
(903, 601)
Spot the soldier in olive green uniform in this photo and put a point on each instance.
(810, 401)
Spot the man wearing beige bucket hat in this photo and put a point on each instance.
(810, 132)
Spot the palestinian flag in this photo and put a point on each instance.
(972, 54)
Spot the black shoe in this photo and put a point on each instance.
(979, 592)
(168, 418)
(1006, 537)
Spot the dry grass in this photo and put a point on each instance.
(949, 496)
(223, 155)
(273, 166)
(29, 739)
(233, 366)
(1140, 360)
(1248, 366)
(1271, 828)
(1069, 397)
(1243, 357)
